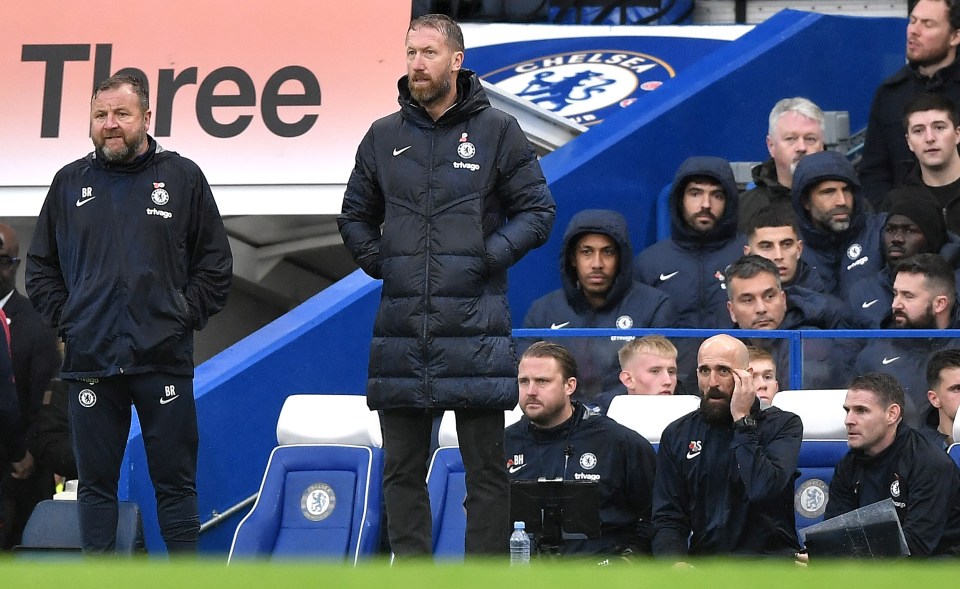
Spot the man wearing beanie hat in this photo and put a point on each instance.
(841, 237)
(914, 226)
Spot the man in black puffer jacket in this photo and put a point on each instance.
(445, 196)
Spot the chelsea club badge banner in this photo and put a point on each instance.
(587, 73)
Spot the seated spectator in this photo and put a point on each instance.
(841, 236)
(943, 384)
(689, 265)
(757, 301)
(764, 375)
(725, 472)
(598, 291)
(889, 459)
(933, 134)
(924, 297)
(795, 129)
(773, 233)
(648, 366)
(914, 226)
(558, 438)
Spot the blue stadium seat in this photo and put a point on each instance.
(447, 486)
(54, 528)
(321, 494)
(316, 501)
(812, 488)
(824, 444)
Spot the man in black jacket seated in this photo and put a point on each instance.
(888, 458)
(725, 472)
(559, 439)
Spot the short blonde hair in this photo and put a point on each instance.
(648, 344)
(758, 353)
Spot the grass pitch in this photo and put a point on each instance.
(718, 574)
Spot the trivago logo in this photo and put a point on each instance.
(585, 86)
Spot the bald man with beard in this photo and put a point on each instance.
(725, 472)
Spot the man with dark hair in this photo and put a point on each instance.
(933, 135)
(598, 291)
(773, 233)
(943, 392)
(889, 459)
(933, 33)
(924, 297)
(129, 257)
(841, 237)
(725, 472)
(757, 301)
(558, 438)
(445, 196)
(689, 265)
(914, 226)
(795, 129)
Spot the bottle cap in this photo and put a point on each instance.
(518, 525)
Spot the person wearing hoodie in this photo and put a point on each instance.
(914, 226)
(924, 297)
(689, 265)
(795, 130)
(841, 236)
(598, 291)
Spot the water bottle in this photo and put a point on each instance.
(519, 545)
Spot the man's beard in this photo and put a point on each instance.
(925, 321)
(432, 93)
(124, 154)
(715, 412)
(929, 60)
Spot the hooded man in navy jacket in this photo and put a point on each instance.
(598, 291)
(689, 265)
(841, 237)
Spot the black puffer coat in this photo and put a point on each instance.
(460, 200)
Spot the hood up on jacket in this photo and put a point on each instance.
(726, 228)
(603, 222)
(820, 167)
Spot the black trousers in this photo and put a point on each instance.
(100, 413)
(406, 444)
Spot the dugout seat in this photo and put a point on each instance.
(824, 444)
(321, 494)
(648, 415)
(447, 485)
(446, 482)
(54, 529)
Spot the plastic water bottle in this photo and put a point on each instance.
(519, 545)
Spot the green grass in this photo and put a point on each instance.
(719, 574)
